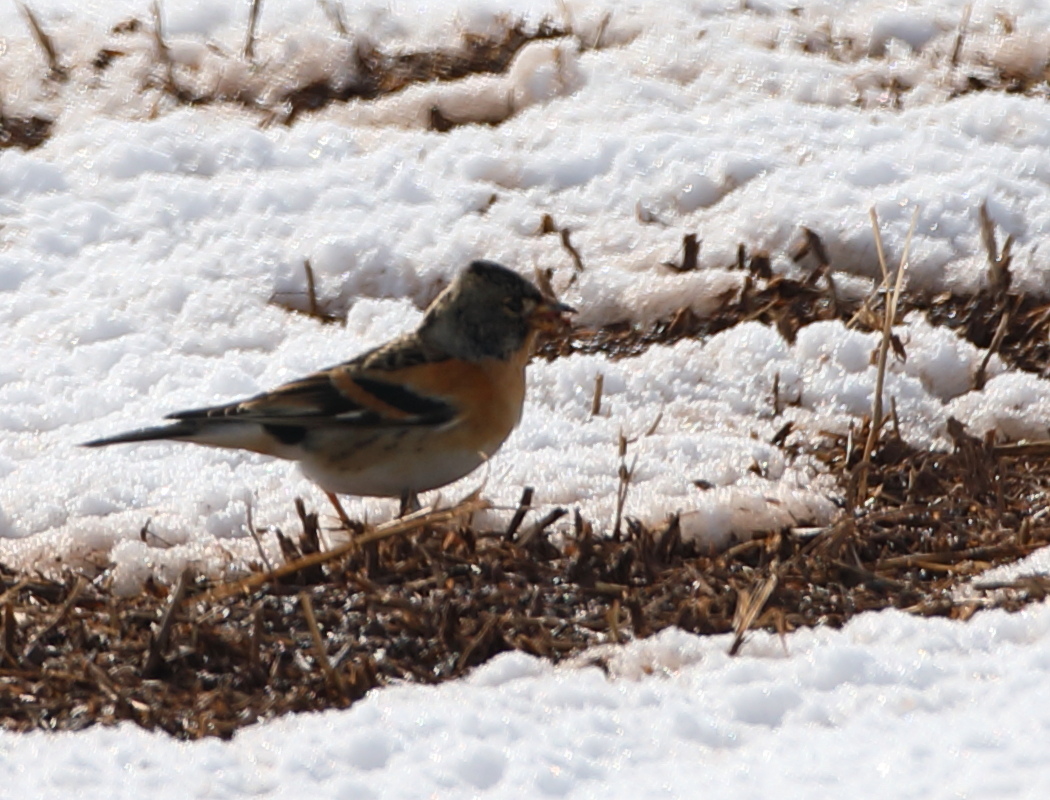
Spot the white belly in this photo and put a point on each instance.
(413, 469)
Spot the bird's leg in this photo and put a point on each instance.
(409, 503)
(339, 511)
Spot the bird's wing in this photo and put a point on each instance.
(370, 391)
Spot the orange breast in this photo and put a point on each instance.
(489, 395)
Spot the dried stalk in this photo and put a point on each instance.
(335, 680)
(519, 515)
(624, 474)
(750, 603)
(596, 398)
(256, 538)
(548, 519)
(999, 276)
(249, 36)
(889, 316)
(56, 71)
(964, 23)
(160, 642)
(981, 377)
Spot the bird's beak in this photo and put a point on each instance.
(550, 315)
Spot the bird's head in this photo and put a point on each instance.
(490, 311)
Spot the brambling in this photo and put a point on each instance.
(414, 414)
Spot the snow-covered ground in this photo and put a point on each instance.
(141, 246)
(139, 249)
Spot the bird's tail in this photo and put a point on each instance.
(177, 430)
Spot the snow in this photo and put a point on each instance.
(891, 704)
(140, 248)
(140, 256)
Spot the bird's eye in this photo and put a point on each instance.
(512, 305)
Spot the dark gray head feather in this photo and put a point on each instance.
(483, 313)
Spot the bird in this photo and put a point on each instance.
(411, 415)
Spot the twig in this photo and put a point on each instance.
(574, 254)
(309, 542)
(1039, 449)
(781, 435)
(164, 55)
(548, 519)
(7, 641)
(482, 635)
(548, 226)
(145, 532)
(311, 288)
(761, 265)
(1038, 582)
(602, 25)
(954, 556)
(749, 605)
(543, 279)
(289, 549)
(637, 616)
(315, 308)
(160, 641)
(625, 475)
(879, 249)
(964, 23)
(596, 398)
(255, 537)
(14, 590)
(999, 276)
(55, 69)
(310, 539)
(255, 649)
(523, 508)
(656, 423)
(335, 680)
(690, 254)
(890, 314)
(811, 243)
(249, 37)
(981, 377)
